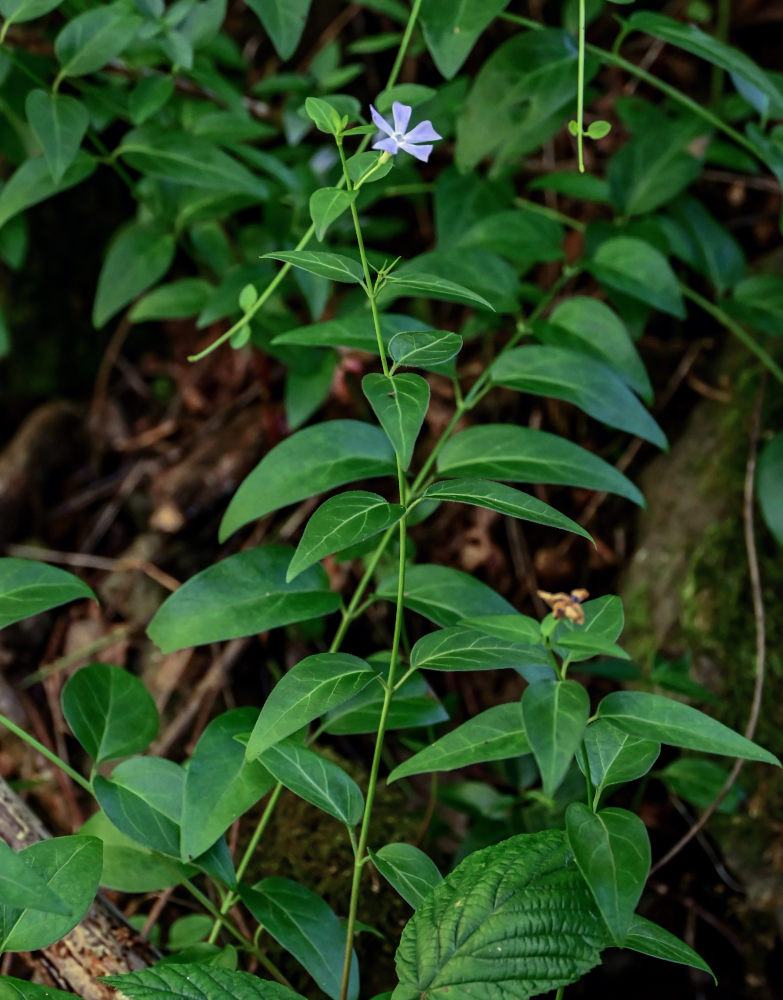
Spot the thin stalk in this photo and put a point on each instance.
(580, 95)
(406, 39)
(549, 213)
(46, 752)
(722, 24)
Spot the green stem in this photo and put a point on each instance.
(580, 95)
(46, 752)
(549, 213)
(560, 991)
(722, 24)
(406, 39)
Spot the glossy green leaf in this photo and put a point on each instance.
(586, 187)
(499, 909)
(579, 646)
(196, 981)
(495, 734)
(21, 885)
(612, 850)
(310, 689)
(444, 595)
(452, 28)
(334, 266)
(521, 454)
(71, 868)
(328, 204)
(28, 587)
(700, 782)
(598, 330)
(505, 500)
(408, 870)
(757, 301)
(25, 10)
(415, 705)
(32, 182)
(307, 927)
(408, 280)
(110, 712)
(283, 21)
(143, 799)
(555, 715)
(221, 784)
(315, 779)
(654, 717)
(307, 390)
(577, 379)
(706, 245)
(516, 234)
(139, 255)
(467, 648)
(512, 628)
(649, 939)
(633, 267)
(400, 403)
(92, 39)
(421, 350)
(148, 96)
(769, 485)
(310, 461)
(175, 300)
(613, 756)
(22, 989)
(241, 595)
(59, 123)
(129, 867)
(355, 330)
(324, 115)
(341, 521)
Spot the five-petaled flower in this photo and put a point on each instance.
(398, 139)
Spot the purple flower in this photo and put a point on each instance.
(399, 139)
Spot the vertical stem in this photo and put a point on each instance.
(406, 38)
(46, 752)
(722, 34)
(580, 97)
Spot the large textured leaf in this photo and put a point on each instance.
(634, 267)
(524, 455)
(452, 27)
(495, 734)
(220, 783)
(649, 939)
(110, 712)
(310, 689)
(400, 403)
(23, 989)
(28, 588)
(284, 22)
(654, 717)
(612, 850)
(311, 461)
(32, 182)
(138, 257)
(612, 757)
(555, 715)
(21, 885)
(568, 375)
(464, 648)
(171, 981)
(241, 595)
(315, 779)
(71, 868)
(335, 266)
(143, 799)
(513, 920)
(59, 123)
(444, 595)
(407, 869)
(307, 927)
(90, 40)
(421, 350)
(505, 500)
(341, 521)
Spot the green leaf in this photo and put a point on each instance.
(699, 782)
(129, 867)
(310, 461)
(241, 595)
(334, 266)
(598, 129)
(32, 182)
(25, 10)
(325, 116)
(310, 689)
(355, 330)
(360, 163)
(306, 926)
(283, 21)
(578, 646)
(94, 38)
(505, 499)
(586, 187)
(596, 329)
(307, 390)
(169, 155)
(516, 234)
(452, 28)
(23, 989)
(400, 403)
(512, 628)
(59, 123)
(757, 301)
(148, 96)
(654, 717)
(21, 885)
(612, 850)
(408, 870)
(588, 384)
(27, 588)
(340, 521)
(421, 350)
(466, 648)
(769, 485)
(495, 734)
(706, 245)
(649, 939)
(555, 715)
(328, 204)
(139, 255)
(175, 300)
(315, 779)
(415, 705)
(635, 268)
(521, 454)
(498, 910)
(71, 868)
(410, 281)
(220, 783)
(172, 981)
(614, 757)
(143, 799)
(444, 595)
(110, 712)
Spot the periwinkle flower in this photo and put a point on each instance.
(398, 139)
